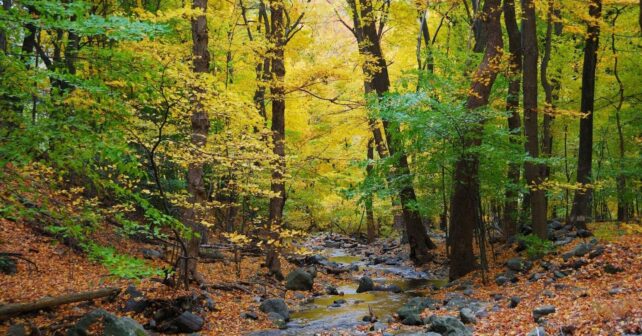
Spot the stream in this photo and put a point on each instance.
(331, 313)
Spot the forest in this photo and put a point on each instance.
(320, 167)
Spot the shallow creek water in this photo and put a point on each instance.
(319, 315)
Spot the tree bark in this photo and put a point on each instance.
(277, 41)
(529, 87)
(551, 88)
(582, 198)
(511, 215)
(464, 205)
(370, 220)
(13, 309)
(624, 205)
(200, 128)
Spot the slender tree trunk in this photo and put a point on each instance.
(370, 220)
(511, 214)
(529, 84)
(464, 215)
(200, 128)
(277, 90)
(551, 88)
(582, 198)
(624, 206)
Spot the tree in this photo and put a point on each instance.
(529, 87)
(582, 197)
(624, 206)
(514, 123)
(377, 84)
(200, 125)
(465, 212)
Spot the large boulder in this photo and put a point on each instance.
(365, 284)
(299, 279)
(276, 305)
(111, 325)
(447, 326)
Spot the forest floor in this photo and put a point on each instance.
(596, 294)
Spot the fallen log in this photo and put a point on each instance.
(12, 309)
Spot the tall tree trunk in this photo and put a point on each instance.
(370, 220)
(378, 82)
(277, 90)
(511, 215)
(480, 33)
(200, 128)
(624, 205)
(582, 199)
(532, 170)
(464, 215)
(4, 40)
(551, 87)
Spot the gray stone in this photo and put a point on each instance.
(536, 276)
(151, 254)
(188, 322)
(584, 233)
(277, 319)
(514, 301)
(518, 264)
(413, 320)
(615, 291)
(133, 292)
(555, 225)
(112, 325)
(500, 280)
(581, 249)
(414, 307)
(596, 252)
(612, 269)
(563, 241)
(277, 306)
(467, 316)
(447, 326)
(331, 290)
(250, 316)
(543, 311)
(299, 279)
(136, 305)
(365, 284)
